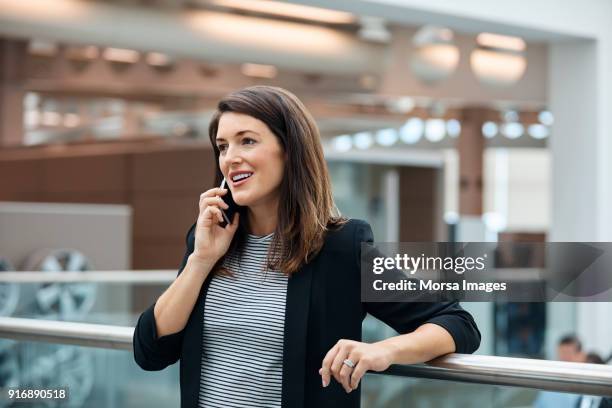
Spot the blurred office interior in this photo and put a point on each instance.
(441, 121)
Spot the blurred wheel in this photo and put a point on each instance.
(9, 292)
(66, 300)
(9, 368)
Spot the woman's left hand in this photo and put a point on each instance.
(365, 356)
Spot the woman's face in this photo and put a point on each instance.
(251, 159)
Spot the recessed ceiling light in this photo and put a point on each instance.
(282, 9)
(42, 48)
(453, 128)
(259, 70)
(121, 55)
(538, 131)
(363, 140)
(435, 130)
(386, 137)
(498, 60)
(342, 143)
(435, 56)
(157, 59)
(489, 129)
(546, 118)
(498, 41)
(412, 130)
(512, 130)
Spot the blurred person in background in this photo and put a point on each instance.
(569, 349)
(594, 358)
(591, 401)
(266, 311)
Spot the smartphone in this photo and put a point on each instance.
(228, 214)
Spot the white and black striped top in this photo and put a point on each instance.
(244, 320)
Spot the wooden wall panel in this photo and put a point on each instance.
(159, 217)
(20, 176)
(160, 255)
(418, 203)
(104, 173)
(103, 197)
(23, 197)
(186, 170)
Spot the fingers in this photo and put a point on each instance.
(210, 213)
(326, 366)
(358, 372)
(333, 365)
(337, 367)
(211, 197)
(345, 373)
(213, 192)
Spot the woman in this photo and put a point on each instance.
(267, 310)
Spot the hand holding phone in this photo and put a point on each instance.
(228, 214)
(214, 230)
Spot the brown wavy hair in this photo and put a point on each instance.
(306, 206)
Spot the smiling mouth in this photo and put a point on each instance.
(241, 178)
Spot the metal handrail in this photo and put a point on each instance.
(588, 379)
(167, 276)
(53, 331)
(145, 277)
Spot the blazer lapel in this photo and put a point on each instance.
(296, 322)
(193, 347)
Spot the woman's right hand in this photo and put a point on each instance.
(211, 240)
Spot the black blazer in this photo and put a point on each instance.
(323, 305)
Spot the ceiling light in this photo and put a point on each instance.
(451, 217)
(31, 100)
(538, 131)
(494, 221)
(342, 143)
(282, 9)
(435, 56)
(498, 60)
(403, 104)
(363, 140)
(157, 59)
(121, 55)
(512, 130)
(412, 130)
(489, 129)
(510, 116)
(259, 70)
(374, 29)
(85, 53)
(249, 33)
(435, 130)
(42, 48)
(546, 118)
(498, 41)
(71, 120)
(453, 128)
(51, 119)
(31, 119)
(386, 137)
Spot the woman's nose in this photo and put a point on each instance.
(232, 156)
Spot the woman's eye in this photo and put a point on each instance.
(248, 140)
(221, 147)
